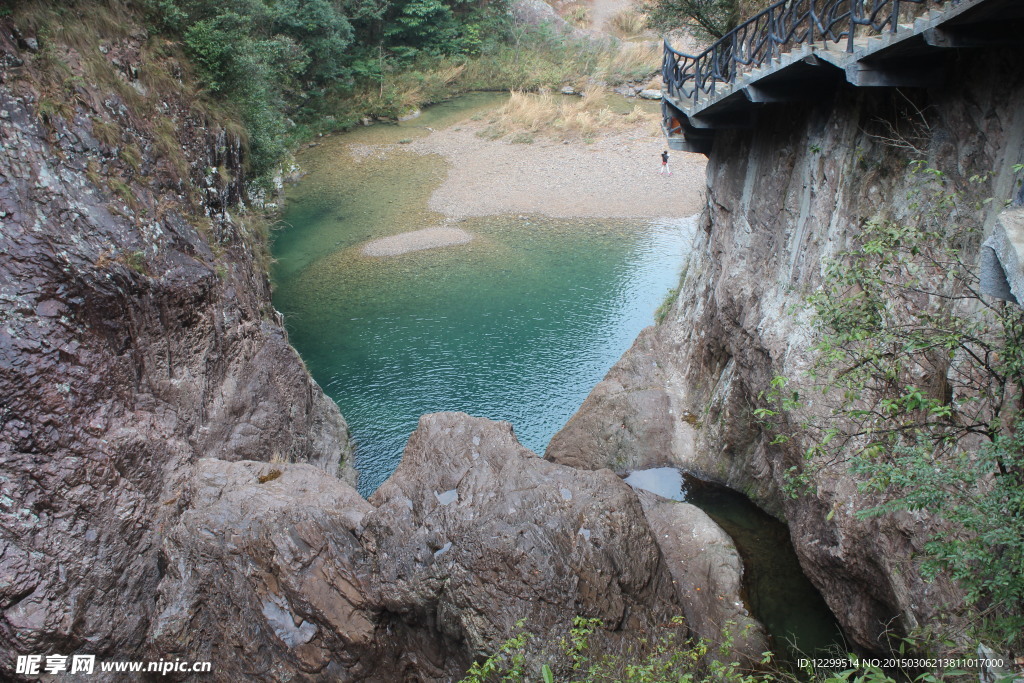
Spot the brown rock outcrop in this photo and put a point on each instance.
(276, 570)
(484, 533)
(136, 335)
(265, 576)
(783, 198)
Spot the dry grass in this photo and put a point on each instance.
(271, 474)
(107, 132)
(167, 147)
(131, 155)
(403, 92)
(527, 115)
(632, 61)
(576, 13)
(627, 24)
(92, 172)
(122, 190)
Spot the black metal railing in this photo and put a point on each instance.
(777, 30)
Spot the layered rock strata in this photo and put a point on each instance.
(784, 197)
(135, 337)
(279, 572)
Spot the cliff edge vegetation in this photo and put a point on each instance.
(292, 69)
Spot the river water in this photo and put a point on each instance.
(518, 325)
(776, 591)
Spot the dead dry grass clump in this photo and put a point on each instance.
(527, 115)
(628, 24)
(576, 13)
(631, 62)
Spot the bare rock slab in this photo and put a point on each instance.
(474, 532)
(265, 573)
(708, 575)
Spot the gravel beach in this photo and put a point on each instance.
(616, 176)
(416, 240)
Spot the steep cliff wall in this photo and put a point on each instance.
(782, 198)
(136, 331)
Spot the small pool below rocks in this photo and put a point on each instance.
(777, 592)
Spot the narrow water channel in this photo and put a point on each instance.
(776, 590)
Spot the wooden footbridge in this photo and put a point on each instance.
(799, 49)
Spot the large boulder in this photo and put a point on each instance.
(474, 533)
(264, 574)
(278, 571)
(708, 575)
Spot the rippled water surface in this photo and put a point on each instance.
(518, 325)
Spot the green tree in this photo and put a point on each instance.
(705, 20)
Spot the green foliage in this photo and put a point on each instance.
(924, 379)
(136, 260)
(291, 69)
(670, 655)
(423, 26)
(980, 494)
(504, 665)
(666, 305)
(706, 20)
(276, 61)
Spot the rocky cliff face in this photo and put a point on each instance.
(136, 334)
(169, 473)
(277, 572)
(782, 198)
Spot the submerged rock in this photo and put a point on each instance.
(416, 240)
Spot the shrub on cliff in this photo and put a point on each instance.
(668, 655)
(705, 20)
(923, 378)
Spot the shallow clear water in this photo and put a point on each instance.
(517, 325)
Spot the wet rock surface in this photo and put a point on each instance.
(782, 199)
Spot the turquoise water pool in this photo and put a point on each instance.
(519, 324)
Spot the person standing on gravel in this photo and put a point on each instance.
(664, 164)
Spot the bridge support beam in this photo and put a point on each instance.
(980, 35)
(865, 75)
